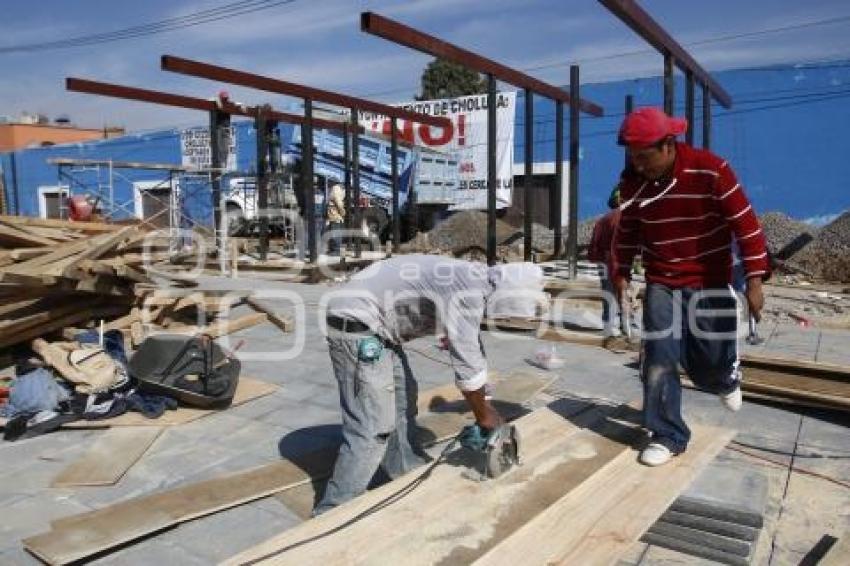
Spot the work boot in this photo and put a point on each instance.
(733, 400)
(655, 454)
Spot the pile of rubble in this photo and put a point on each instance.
(785, 236)
(827, 256)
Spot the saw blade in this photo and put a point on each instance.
(503, 454)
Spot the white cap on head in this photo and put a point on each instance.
(517, 290)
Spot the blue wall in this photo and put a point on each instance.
(785, 135)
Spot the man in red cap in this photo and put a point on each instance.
(681, 208)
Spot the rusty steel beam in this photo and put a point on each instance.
(651, 31)
(233, 76)
(396, 32)
(192, 103)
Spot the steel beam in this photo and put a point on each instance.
(572, 238)
(396, 32)
(192, 103)
(529, 174)
(669, 85)
(645, 26)
(395, 187)
(346, 156)
(559, 176)
(307, 179)
(706, 117)
(261, 124)
(219, 121)
(630, 106)
(491, 170)
(689, 107)
(233, 76)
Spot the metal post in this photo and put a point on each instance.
(559, 175)
(668, 84)
(394, 172)
(706, 117)
(219, 124)
(491, 169)
(261, 126)
(346, 157)
(689, 107)
(630, 106)
(529, 174)
(307, 179)
(572, 238)
(355, 177)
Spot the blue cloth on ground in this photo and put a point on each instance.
(33, 392)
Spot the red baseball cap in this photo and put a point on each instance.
(646, 126)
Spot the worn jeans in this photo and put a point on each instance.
(610, 306)
(378, 402)
(696, 329)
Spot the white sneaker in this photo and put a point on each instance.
(655, 454)
(733, 400)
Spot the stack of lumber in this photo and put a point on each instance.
(56, 273)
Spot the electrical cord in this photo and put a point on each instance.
(793, 468)
(386, 502)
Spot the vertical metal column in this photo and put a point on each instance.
(394, 174)
(572, 238)
(630, 106)
(261, 125)
(706, 117)
(689, 106)
(307, 179)
(219, 123)
(346, 157)
(355, 178)
(559, 176)
(15, 192)
(668, 84)
(529, 175)
(491, 169)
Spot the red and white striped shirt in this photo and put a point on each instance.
(683, 226)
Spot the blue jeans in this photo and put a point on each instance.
(679, 329)
(378, 402)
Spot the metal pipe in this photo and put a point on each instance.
(307, 179)
(219, 124)
(572, 239)
(261, 126)
(395, 187)
(630, 106)
(529, 174)
(491, 169)
(356, 216)
(13, 161)
(669, 86)
(559, 176)
(706, 117)
(689, 107)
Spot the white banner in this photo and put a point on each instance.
(466, 142)
(196, 152)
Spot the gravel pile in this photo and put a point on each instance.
(785, 236)
(828, 255)
(459, 232)
(585, 231)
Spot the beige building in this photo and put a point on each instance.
(16, 136)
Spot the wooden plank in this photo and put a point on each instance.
(95, 227)
(77, 537)
(450, 518)
(59, 253)
(222, 326)
(597, 522)
(285, 323)
(11, 236)
(109, 458)
(59, 323)
(97, 249)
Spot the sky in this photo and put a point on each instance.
(319, 43)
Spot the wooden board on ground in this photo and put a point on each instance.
(452, 518)
(247, 390)
(79, 536)
(597, 522)
(109, 458)
(442, 413)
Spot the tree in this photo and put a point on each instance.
(444, 79)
